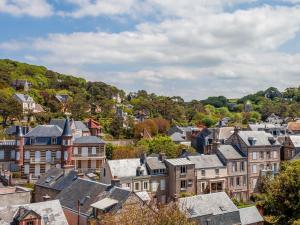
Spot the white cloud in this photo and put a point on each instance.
(34, 8)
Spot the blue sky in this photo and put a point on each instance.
(191, 48)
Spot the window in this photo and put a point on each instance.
(217, 171)
(93, 150)
(154, 186)
(203, 187)
(75, 151)
(54, 140)
(242, 166)
(183, 184)
(104, 172)
(244, 180)
(32, 140)
(254, 155)
(13, 154)
(65, 155)
(231, 182)
(30, 223)
(238, 181)
(145, 185)
(254, 169)
(84, 152)
(137, 186)
(203, 173)
(261, 155)
(275, 167)
(275, 154)
(37, 156)
(162, 184)
(268, 155)
(1, 154)
(254, 181)
(58, 155)
(27, 154)
(18, 156)
(26, 169)
(234, 166)
(183, 169)
(48, 156)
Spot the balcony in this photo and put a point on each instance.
(42, 160)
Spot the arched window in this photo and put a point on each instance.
(27, 154)
(37, 156)
(48, 156)
(58, 154)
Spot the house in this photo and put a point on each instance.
(207, 140)
(145, 174)
(48, 146)
(88, 153)
(211, 173)
(236, 163)
(28, 104)
(40, 213)
(11, 131)
(94, 127)
(63, 100)
(92, 199)
(262, 151)
(52, 183)
(14, 196)
(293, 127)
(274, 119)
(78, 127)
(181, 177)
(8, 155)
(251, 216)
(274, 129)
(210, 209)
(184, 132)
(291, 147)
(22, 84)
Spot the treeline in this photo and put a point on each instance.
(110, 105)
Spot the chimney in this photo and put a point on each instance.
(46, 198)
(139, 171)
(143, 158)
(162, 156)
(236, 130)
(115, 182)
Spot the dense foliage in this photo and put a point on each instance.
(281, 195)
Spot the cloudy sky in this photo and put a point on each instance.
(191, 48)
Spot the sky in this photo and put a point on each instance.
(188, 48)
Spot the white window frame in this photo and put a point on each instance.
(139, 186)
(84, 151)
(254, 168)
(162, 184)
(27, 155)
(13, 154)
(37, 156)
(75, 151)
(26, 169)
(254, 155)
(48, 157)
(147, 184)
(94, 151)
(58, 154)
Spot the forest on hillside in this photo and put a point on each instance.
(86, 96)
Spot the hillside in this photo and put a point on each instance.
(85, 96)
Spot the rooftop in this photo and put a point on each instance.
(154, 163)
(208, 204)
(229, 152)
(51, 212)
(206, 161)
(123, 168)
(261, 138)
(250, 215)
(88, 140)
(45, 131)
(179, 162)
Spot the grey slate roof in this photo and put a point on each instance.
(123, 168)
(206, 161)
(81, 126)
(50, 211)
(295, 139)
(225, 132)
(56, 179)
(177, 137)
(229, 152)
(207, 204)
(154, 163)
(58, 122)
(261, 137)
(250, 215)
(23, 98)
(179, 162)
(88, 140)
(89, 192)
(45, 131)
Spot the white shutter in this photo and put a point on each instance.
(27, 155)
(94, 150)
(154, 186)
(13, 154)
(75, 151)
(58, 154)
(26, 169)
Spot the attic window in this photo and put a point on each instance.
(252, 140)
(272, 140)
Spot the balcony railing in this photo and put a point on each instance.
(42, 160)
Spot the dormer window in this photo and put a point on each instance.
(32, 140)
(54, 140)
(252, 140)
